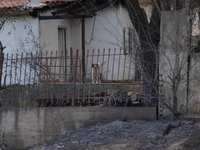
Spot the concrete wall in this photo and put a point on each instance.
(25, 128)
(194, 83)
(174, 52)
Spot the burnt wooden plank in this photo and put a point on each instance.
(64, 17)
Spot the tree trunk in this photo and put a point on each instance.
(149, 35)
(150, 76)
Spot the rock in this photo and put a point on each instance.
(167, 129)
(175, 124)
(75, 142)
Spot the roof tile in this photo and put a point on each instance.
(23, 3)
(20, 6)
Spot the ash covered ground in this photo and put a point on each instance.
(183, 134)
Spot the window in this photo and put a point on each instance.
(61, 40)
(128, 40)
(131, 46)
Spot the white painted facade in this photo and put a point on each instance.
(19, 35)
(103, 31)
(15, 33)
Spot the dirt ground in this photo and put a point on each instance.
(183, 134)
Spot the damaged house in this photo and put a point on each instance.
(70, 36)
(67, 26)
(67, 37)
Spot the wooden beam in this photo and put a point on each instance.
(65, 17)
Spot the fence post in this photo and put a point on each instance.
(1, 66)
(1, 60)
(75, 72)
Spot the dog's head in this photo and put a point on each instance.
(95, 65)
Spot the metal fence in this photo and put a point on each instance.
(69, 78)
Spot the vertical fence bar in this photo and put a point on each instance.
(6, 74)
(96, 80)
(25, 78)
(112, 71)
(34, 62)
(51, 87)
(83, 101)
(108, 61)
(30, 65)
(47, 69)
(1, 67)
(42, 76)
(15, 78)
(91, 76)
(56, 59)
(74, 83)
(124, 66)
(66, 78)
(101, 76)
(29, 90)
(11, 65)
(60, 69)
(119, 66)
(102, 71)
(99, 86)
(71, 64)
(70, 76)
(83, 47)
(25, 69)
(16, 63)
(65, 64)
(80, 77)
(20, 72)
(129, 77)
(47, 80)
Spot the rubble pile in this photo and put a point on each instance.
(157, 135)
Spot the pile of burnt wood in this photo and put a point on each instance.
(119, 98)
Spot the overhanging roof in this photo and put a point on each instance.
(79, 9)
(70, 6)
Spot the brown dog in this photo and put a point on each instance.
(96, 75)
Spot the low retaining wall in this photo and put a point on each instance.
(24, 128)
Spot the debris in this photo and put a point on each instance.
(130, 135)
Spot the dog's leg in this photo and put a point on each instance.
(93, 79)
(99, 77)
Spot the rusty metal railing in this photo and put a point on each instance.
(56, 78)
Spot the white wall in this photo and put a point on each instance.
(19, 35)
(49, 32)
(108, 34)
(22, 29)
(105, 30)
(49, 40)
(22, 35)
